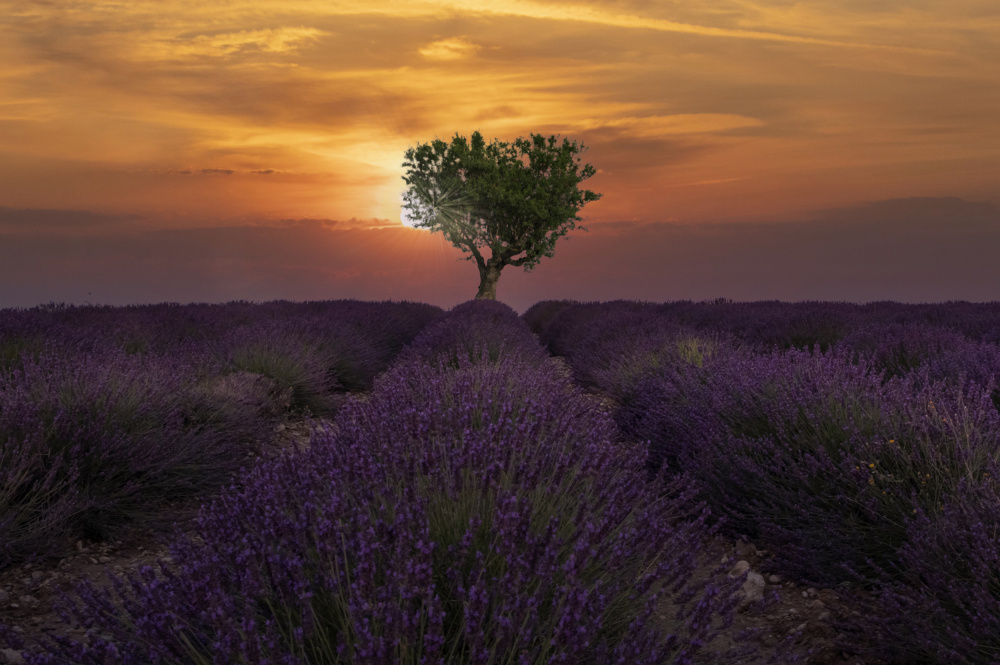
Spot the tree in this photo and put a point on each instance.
(483, 196)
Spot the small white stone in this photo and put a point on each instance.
(753, 588)
(774, 579)
(740, 568)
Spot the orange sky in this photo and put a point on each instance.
(189, 114)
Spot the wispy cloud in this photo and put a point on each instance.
(272, 40)
(680, 123)
(587, 14)
(453, 48)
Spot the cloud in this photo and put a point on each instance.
(269, 40)
(210, 172)
(340, 225)
(453, 48)
(681, 123)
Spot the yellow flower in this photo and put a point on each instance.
(871, 466)
(892, 440)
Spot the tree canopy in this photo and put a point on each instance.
(483, 196)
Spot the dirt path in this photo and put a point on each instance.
(790, 620)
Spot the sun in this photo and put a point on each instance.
(403, 217)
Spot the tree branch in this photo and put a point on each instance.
(479, 257)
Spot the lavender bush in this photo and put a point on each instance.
(90, 444)
(19, 337)
(294, 360)
(939, 598)
(618, 350)
(900, 348)
(814, 454)
(542, 314)
(473, 330)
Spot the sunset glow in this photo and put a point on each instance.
(189, 115)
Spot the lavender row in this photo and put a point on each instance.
(870, 466)
(476, 507)
(96, 434)
(770, 324)
(181, 329)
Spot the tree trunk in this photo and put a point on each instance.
(488, 278)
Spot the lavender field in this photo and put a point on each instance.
(481, 487)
